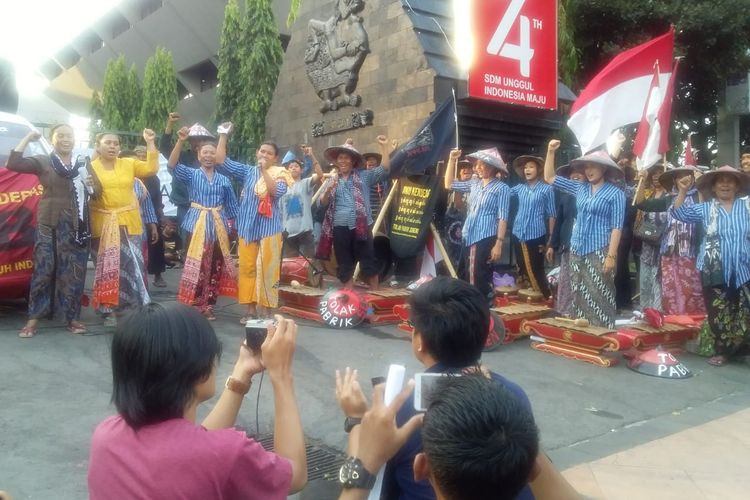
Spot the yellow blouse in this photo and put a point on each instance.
(117, 191)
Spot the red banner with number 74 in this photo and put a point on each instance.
(514, 52)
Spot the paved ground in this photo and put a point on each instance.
(55, 388)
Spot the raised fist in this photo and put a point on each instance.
(554, 145)
(149, 135)
(382, 140)
(182, 134)
(174, 117)
(455, 154)
(225, 128)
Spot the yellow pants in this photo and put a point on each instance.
(260, 269)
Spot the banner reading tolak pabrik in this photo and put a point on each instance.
(412, 214)
(19, 197)
(514, 52)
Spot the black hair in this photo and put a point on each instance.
(453, 319)
(480, 439)
(98, 138)
(273, 145)
(159, 353)
(55, 127)
(745, 150)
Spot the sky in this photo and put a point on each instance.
(33, 30)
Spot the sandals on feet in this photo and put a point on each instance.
(77, 328)
(27, 332)
(718, 361)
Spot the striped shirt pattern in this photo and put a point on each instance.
(251, 226)
(598, 214)
(487, 205)
(214, 193)
(536, 204)
(734, 236)
(148, 214)
(345, 214)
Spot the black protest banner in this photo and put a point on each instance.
(412, 215)
(431, 143)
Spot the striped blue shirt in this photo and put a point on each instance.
(345, 214)
(733, 229)
(252, 226)
(148, 214)
(487, 205)
(598, 214)
(214, 193)
(536, 204)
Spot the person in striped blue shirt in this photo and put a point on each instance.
(259, 224)
(596, 233)
(723, 259)
(348, 218)
(209, 267)
(483, 231)
(534, 222)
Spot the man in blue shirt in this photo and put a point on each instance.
(451, 321)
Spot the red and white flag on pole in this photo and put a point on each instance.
(689, 156)
(652, 139)
(614, 97)
(430, 257)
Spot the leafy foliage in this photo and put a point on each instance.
(231, 87)
(293, 12)
(568, 53)
(96, 114)
(712, 36)
(159, 89)
(131, 113)
(114, 96)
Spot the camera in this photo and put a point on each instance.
(256, 331)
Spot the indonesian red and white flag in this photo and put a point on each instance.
(689, 155)
(615, 97)
(431, 256)
(646, 143)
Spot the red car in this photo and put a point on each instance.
(19, 198)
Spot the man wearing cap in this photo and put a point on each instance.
(348, 216)
(197, 135)
(259, 224)
(724, 258)
(487, 218)
(296, 205)
(536, 205)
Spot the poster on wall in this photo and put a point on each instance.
(19, 198)
(515, 52)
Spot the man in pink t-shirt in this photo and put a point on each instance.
(164, 361)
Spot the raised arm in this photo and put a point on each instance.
(384, 152)
(221, 148)
(165, 143)
(450, 169)
(549, 162)
(174, 156)
(16, 161)
(151, 165)
(309, 156)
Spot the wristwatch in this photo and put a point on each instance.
(237, 386)
(350, 422)
(354, 475)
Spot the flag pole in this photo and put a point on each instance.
(379, 220)
(455, 113)
(439, 243)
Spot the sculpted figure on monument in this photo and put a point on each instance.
(335, 51)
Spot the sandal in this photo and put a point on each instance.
(718, 361)
(27, 332)
(77, 328)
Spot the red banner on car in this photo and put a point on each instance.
(19, 198)
(515, 52)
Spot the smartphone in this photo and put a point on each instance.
(424, 388)
(256, 331)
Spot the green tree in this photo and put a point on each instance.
(96, 115)
(159, 89)
(568, 53)
(712, 36)
(114, 96)
(133, 101)
(261, 62)
(231, 87)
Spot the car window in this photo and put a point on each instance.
(10, 135)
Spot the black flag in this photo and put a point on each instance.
(429, 144)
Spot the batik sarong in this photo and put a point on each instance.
(194, 272)
(564, 303)
(593, 289)
(59, 273)
(131, 289)
(681, 290)
(727, 326)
